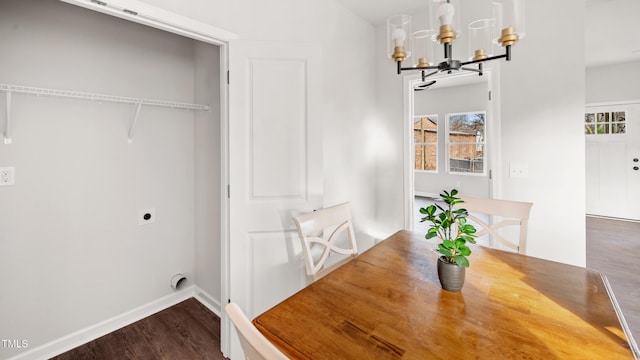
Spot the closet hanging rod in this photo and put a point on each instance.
(18, 89)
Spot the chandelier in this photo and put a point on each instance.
(505, 29)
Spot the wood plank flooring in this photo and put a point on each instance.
(190, 331)
(187, 330)
(613, 248)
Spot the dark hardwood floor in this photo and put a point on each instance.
(613, 248)
(190, 331)
(187, 330)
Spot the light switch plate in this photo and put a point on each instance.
(7, 176)
(518, 170)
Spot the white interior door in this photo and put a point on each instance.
(275, 163)
(613, 160)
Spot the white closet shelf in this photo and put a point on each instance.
(18, 89)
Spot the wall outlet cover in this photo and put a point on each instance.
(7, 176)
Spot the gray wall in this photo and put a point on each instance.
(71, 251)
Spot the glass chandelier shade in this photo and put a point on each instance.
(423, 48)
(398, 41)
(481, 36)
(509, 15)
(505, 29)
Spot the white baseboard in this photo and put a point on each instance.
(93, 332)
(612, 218)
(209, 301)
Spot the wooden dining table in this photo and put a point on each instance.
(387, 303)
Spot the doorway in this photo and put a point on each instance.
(112, 159)
(613, 160)
(451, 139)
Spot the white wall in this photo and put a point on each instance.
(542, 97)
(72, 254)
(347, 44)
(618, 82)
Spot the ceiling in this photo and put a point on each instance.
(612, 30)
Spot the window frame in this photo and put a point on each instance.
(436, 143)
(448, 143)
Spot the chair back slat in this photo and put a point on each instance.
(310, 227)
(510, 213)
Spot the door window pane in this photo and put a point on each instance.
(604, 123)
(590, 123)
(466, 139)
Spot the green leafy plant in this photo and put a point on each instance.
(449, 224)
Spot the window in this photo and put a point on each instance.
(603, 123)
(425, 138)
(466, 137)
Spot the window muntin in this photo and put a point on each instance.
(605, 123)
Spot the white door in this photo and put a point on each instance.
(613, 160)
(275, 169)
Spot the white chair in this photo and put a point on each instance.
(254, 344)
(316, 248)
(511, 213)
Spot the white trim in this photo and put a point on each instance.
(158, 18)
(612, 218)
(208, 301)
(623, 322)
(225, 193)
(408, 160)
(83, 336)
(613, 103)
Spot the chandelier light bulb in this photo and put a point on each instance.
(398, 29)
(399, 36)
(445, 13)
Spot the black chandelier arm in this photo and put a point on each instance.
(506, 55)
(484, 60)
(471, 69)
(433, 67)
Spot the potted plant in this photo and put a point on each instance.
(449, 224)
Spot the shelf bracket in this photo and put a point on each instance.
(133, 122)
(7, 130)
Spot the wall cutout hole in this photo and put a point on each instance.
(146, 216)
(177, 281)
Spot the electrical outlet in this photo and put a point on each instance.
(7, 176)
(146, 216)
